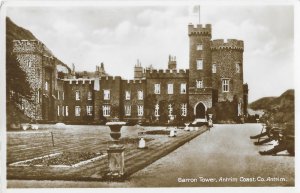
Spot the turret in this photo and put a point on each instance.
(227, 61)
(100, 71)
(138, 70)
(172, 62)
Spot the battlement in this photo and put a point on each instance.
(199, 29)
(90, 80)
(230, 44)
(79, 80)
(140, 81)
(110, 78)
(168, 73)
(27, 46)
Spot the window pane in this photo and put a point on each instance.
(199, 64)
(170, 88)
(183, 88)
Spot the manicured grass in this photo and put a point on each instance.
(92, 139)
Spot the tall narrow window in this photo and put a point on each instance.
(199, 83)
(183, 88)
(140, 95)
(58, 111)
(46, 85)
(140, 110)
(225, 85)
(63, 111)
(58, 97)
(38, 96)
(127, 110)
(90, 96)
(63, 95)
(77, 95)
(106, 110)
(237, 68)
(214, 68)
(156, 88)
(184, 110)
(67, 111)
(170, 88)
(106, 94)
(89, 110)
(170, 108)
(77, 111)
(156, 110)
(127, 95)
(199, 64)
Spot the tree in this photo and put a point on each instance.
(17, 87)
(163, 111)
(150, 102)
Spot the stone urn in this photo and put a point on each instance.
(116, 159)
(115, 130)
(142, 143)
(186, 127)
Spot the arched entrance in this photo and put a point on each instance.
(200, 111)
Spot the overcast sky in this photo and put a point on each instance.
(118, 36)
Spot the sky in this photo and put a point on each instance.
(120, 35)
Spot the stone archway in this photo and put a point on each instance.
(200, 111)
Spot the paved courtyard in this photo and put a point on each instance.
(223, 156)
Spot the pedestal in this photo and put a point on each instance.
(115, 152)
(115, 162)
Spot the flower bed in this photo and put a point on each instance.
(157, 132)
(65, 158)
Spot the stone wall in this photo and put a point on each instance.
(226, 61)
(29, 56)
(199, 36)
(133, 86)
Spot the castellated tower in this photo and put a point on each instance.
(172, 64)
(39, 65)
(200, 54)
(200, 94)
(29, 56)
(227, 68)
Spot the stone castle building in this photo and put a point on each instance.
(215, 74)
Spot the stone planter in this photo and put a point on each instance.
(115, 152)
(186, 126)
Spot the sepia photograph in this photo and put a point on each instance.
(133, 95)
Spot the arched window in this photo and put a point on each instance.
(214, 68)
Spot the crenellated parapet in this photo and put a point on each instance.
(231, 44)
(199, 29)
(140, 81)
(91, 80)
(27, 46)
(178, 73)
